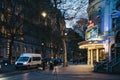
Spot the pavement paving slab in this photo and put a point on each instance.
(71, 72)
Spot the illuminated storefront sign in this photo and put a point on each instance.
(91, 24)
(92, 33)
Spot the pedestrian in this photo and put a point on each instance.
(55, 62)
(43, 65)
(51, 67)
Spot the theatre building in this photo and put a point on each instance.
(100, 34)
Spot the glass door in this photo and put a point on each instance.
(102, 55)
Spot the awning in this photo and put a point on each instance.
(91, 44)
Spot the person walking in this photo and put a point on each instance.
(51, 67)
(43, 65)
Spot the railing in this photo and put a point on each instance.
(114, 62)
(99, 66)
(106, 65)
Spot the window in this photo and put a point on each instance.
(25, 49)
(36, 58)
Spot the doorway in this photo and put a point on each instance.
(102, 54)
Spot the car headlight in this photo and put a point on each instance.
(25, 63)
(15, 63)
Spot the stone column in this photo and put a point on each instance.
(97, 55)
(88, 60)
(91, 57)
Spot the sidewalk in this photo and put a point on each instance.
(71, 72)
(75, 69)
(79, 72)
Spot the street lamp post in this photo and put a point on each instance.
(65, 64)
(42, 49)
(44, 14)
(51, 51)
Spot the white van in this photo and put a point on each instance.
(27, 60)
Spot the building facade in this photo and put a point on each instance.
(21, 22)
(13, 38)
(18, 48)
(100, 33)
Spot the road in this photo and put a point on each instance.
(72, 72)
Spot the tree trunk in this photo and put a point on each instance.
(65, 64)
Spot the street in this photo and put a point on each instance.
(72, 72)
(60, 39)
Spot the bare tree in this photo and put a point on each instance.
(73, 8)
(12, 22)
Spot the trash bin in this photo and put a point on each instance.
(51, 66)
